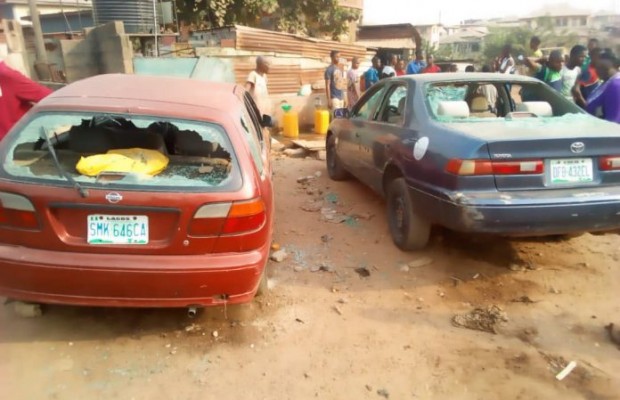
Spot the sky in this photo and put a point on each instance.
(454, 11)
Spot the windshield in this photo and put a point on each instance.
(123, 151)
(481, 101)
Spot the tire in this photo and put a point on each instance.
(335, 169)
(409, 231)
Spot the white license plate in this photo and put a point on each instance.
(571, 170)
(118, 229)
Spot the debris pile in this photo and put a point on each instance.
(481, 319)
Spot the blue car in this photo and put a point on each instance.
(484, 153)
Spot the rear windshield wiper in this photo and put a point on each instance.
(83, 192)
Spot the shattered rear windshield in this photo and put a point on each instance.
(124, 150)
(485, 101)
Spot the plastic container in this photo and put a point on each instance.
(321, 122)
(290, 122)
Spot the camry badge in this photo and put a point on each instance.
(113, 197)
(577, 147)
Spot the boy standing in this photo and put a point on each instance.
(335, 96)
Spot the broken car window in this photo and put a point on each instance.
(124, 150)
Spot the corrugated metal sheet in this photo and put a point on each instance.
(281, 79)
(253, 39)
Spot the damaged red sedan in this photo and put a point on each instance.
(135, 191)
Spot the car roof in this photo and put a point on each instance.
(110, 88)
(467, 76)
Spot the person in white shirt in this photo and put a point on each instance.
(505, 64)
(571, 71)
(256, 85)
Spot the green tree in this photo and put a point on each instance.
(309, 17)
(519, 38)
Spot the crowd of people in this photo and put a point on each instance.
(587, 76)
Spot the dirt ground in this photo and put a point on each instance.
(348, 316)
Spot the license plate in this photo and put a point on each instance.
(118, 229)
(572, 170)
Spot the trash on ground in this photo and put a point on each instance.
(614, 334)
(27, 310)
(524, 300)
(420, 262)
(312, 206)
(481, 319)
(327, 238)
(322, 267)
(279, 256)
(363, 272)
(566, 371)
(295, 153)
(383, 393)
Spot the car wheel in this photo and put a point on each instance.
(334, 167)
(409, 231)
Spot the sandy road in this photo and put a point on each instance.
(325, 331)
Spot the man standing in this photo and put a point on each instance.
(335, 96)
(505, 64)
(416, 66)
(372, 75)
(256, 84)
(571, 70)
(390, 69)
(536, 52)
(551, 73)
(431, 67)
(17, 94)
(353, 82)
(604, 102)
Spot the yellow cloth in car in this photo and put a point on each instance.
(136, 160)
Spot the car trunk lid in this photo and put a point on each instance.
(548, 153)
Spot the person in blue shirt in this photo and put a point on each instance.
(372, 75)
(416, 66)
(335, 95)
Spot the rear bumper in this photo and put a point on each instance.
(129, 280)
(536, 213)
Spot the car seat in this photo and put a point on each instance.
(538, 108)
(454, 109)
(480, 108)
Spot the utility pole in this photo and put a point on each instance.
(41, 61)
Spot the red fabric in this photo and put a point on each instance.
(17, 92)
(431, 69)
(400, 72)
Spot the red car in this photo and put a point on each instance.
(194, 231)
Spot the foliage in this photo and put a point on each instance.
(519, 37)
(310, 17)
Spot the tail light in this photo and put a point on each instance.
(228, 218)
(609, 163)
(487, 167)
(17, 212)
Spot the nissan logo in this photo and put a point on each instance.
(113, 197)
(577, 147)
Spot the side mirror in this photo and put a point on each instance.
(267, 121)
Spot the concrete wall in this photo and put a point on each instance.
(104, 50)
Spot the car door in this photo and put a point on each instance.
(382, 133)
(362, 115)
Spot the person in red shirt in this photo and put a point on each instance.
(400, 67)
(431, 67)
(17, 94)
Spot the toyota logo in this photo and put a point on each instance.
(577, 147)
(113, 197)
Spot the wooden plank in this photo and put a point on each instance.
(311, 145)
